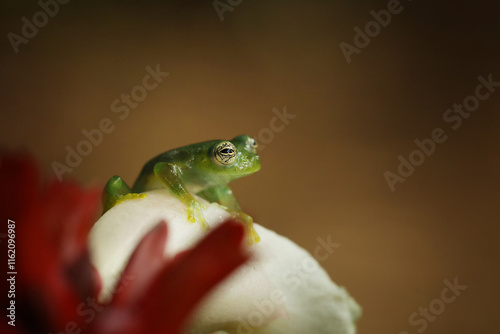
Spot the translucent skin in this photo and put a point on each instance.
(202, 169)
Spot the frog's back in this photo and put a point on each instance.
(184, 156)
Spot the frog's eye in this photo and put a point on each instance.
(253, 143)
(225, 153)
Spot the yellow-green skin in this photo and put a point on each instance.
(203, 169)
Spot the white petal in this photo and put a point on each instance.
(314, 303)
(249, 300)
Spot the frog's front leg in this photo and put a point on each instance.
(115, 192)
(170, 176)
(224, 196)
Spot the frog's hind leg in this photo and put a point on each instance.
(115, 192)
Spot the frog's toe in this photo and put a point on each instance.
(129, 196)
(195, 214)
(115, 182)
(252, 236)
(116, 186)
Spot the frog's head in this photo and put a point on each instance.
(237, 157)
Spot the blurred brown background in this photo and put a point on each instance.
(323, 173)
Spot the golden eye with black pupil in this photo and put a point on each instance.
(225, 153)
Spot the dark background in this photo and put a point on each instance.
(323, 173)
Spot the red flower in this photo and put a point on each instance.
(55, 285)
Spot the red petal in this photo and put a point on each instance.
(165, 305)
(8, 329)
(52, 263)
(19, 182)
(70, 212)
(182, 284)
(144, 265)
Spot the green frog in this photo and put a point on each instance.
(202, 169)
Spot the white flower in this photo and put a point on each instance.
(263, 296)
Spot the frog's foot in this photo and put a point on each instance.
(252, 236)
(195, 213)
(126, 197)
(117, 199)
(116, 186)
(117, 191)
